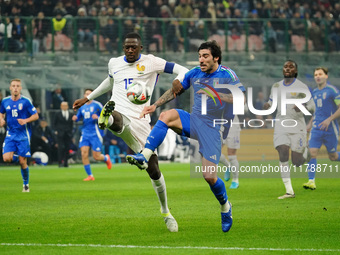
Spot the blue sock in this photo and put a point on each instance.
(88, 169)
(105, 158)
(157, 135)
(311, 169)
(15, 158)
(219, 191)
(25, 175)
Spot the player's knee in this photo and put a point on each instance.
(297, 161)
(167, 116)
(96, 156)
(210, 181)
(7, 159)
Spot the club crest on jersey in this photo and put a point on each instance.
(324, 95)
(140, 69)
(20, 106)
(91, 109)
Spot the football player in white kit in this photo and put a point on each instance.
(233, 143)
(290, 129)
(121, 116)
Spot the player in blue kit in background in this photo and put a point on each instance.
(195, 125)
(323, 125)
(19, 112)
(91, 135)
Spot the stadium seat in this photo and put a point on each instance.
(114, 153)
(101, 42)
(61, 42)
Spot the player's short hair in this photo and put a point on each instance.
(15, 79)
(88, 89)
(133, 35)
(324, 69)
(296, 65)
(214, 48)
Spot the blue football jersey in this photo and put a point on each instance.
(14, 110)
(90, 126)
(326, 103)
(200, 80)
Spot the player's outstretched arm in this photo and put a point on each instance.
(79, 103)
(324, 125)
(166, 97)
(34, 117)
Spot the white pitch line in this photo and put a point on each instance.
(171, 247)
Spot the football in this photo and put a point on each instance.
(138, 93)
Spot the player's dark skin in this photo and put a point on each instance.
(289, 73)
(132, 48)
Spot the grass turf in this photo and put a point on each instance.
(120, 208)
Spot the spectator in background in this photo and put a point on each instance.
(57, 97)
(42, 26)
(110, 34)
(6, 8)
(43, 140)
(111, 139)
(4, 26)
(271, 36)
(70, 9)
(174, 37)
(59, 8)
(183, 10)
(63, 126)
(86, 27)
(18, 36)
(316, 36)
(58, 23)
(103, 18)
(335, 34)
(46, 8)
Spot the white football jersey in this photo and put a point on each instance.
(293, 121)
(146, 70)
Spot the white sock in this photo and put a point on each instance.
(235, 167)
(225, 208)
(110, 121)
(224, 160)
(160, 188)
(147, 153)
(285, 175)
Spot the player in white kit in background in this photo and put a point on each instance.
(121, 116)
(293, 135)
(233, 143)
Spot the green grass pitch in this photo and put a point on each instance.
(118, 213)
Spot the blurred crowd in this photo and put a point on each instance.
(317, 19)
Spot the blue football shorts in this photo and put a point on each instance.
(92, 141)
(20, 147)
(318, 137)
(209, 138)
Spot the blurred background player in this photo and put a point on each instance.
(91, 135)
(196, 125)
(233, 143)
(19, 112)
(325, 129)
(293, 135)
(121, 116)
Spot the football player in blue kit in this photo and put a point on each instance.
(91, 135)
(198, 126)
(323, 125)
(19, 112)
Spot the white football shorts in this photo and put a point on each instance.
(296, 142)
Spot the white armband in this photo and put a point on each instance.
(104, 87)
(180, 71)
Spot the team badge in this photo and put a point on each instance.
(324, 95)
(91, 109)
(20, 106)
(140, 69)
